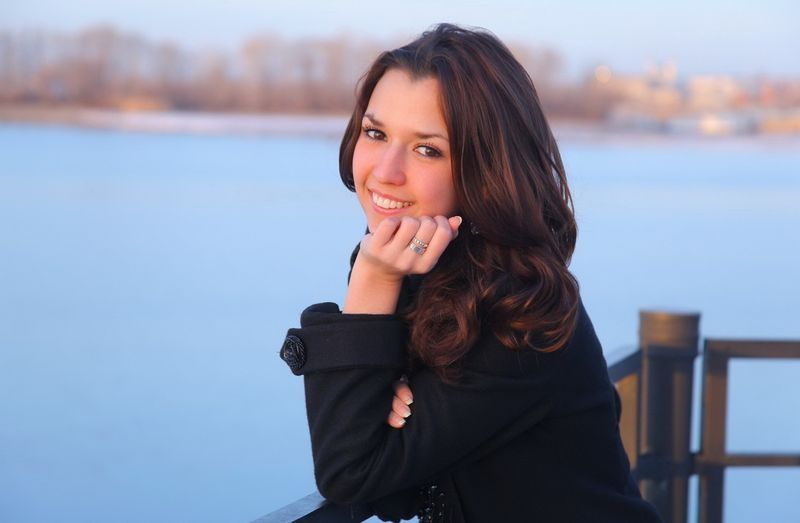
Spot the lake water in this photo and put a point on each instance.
(148, 280)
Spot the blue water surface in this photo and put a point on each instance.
(147, 282)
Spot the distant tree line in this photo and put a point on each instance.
(106, 67)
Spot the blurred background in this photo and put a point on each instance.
(170, 202)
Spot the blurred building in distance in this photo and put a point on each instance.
(102, 67)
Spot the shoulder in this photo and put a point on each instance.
(490, 356)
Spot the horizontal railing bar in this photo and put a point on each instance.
(316, 509)
(624, 362)
(749, 460)
(773, 349)
(294, 510)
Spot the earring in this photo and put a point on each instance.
(473, 229)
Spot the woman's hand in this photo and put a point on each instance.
(401, 404)
(386, 256)
(388, 250)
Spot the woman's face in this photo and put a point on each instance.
(401, 161)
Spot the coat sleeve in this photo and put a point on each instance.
(358, 457)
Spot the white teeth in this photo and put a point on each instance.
(386, 203)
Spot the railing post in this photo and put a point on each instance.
(668, 342)
(711, 476)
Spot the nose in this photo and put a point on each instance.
(390, 166)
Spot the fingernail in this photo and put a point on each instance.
(409, 401)
(407, 413)
(460, 220)
(402, 421)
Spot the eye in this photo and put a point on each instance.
(429, 151)
(373, 134)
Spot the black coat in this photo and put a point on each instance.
(523, 436)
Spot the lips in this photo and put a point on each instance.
(387, 203)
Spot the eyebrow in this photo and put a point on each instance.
(422, 136)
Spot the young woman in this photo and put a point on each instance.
(505, 412)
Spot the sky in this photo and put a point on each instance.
(737, 37)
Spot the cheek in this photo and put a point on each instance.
(445, 194)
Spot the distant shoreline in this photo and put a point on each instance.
(183, 122)
(323, 126)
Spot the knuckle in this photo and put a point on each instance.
(387, 225)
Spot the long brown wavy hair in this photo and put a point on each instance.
(509, 275)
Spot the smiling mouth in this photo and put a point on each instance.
(386, 203)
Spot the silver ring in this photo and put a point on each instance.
(418, 246)
(419, 242)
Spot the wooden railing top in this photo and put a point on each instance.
(761, 349)
(623, 362)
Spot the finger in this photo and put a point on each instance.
(441, 237)
(427, 227)
(400, 408)
(395, 421)
(385, 231)
(455, 223)
(403, 391)
(407, 230)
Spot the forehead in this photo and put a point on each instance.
(403, 101)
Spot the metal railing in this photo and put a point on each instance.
(655, 384)
(711, 461)
(316, 509)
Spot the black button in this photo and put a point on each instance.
(293, 353)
